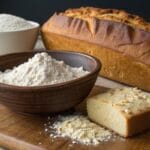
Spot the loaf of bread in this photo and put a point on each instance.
(125, 111)
(120, 40)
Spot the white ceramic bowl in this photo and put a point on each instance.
(19, 41)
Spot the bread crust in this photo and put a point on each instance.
(131, 38)
(109, 14)
(115, 66)
(138, 123)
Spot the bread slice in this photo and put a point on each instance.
(120, 40)
(125, 111)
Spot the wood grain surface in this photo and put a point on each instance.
(26, 132)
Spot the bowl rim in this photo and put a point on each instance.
(56, 85)
(36, 25)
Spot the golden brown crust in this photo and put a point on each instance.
(114, 65)
(138, 123)
(109, 14)
(109, 28)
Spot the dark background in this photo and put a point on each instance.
(41, 10)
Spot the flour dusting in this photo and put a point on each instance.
(79, 129)
(40, 70)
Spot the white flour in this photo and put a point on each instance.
(13, 23)
(79, 128)
(41, 69)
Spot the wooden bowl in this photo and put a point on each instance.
(49, 98)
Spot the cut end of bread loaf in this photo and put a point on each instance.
(125, 111)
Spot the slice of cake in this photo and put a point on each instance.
(125, 111)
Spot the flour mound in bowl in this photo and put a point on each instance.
(40, 70)
(10, 23)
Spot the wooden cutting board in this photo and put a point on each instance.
(25, 132)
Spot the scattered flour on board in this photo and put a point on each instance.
(40, 70)
(10, 23)
(79, 128)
